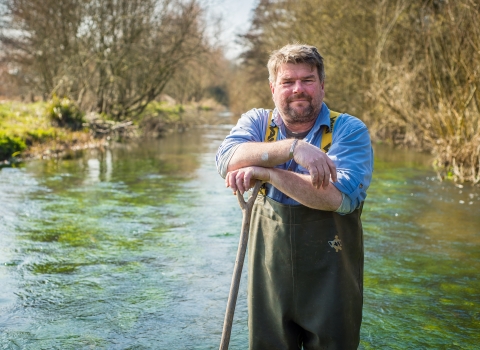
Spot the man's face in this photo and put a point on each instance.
(298, 93)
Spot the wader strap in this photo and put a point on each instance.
(328, 132)
(271, 132)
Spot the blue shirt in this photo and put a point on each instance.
(351, 152)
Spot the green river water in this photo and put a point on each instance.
(133, 248)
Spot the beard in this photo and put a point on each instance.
(300, 115)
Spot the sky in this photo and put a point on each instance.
(237, 15)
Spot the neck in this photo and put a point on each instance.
(299, 127)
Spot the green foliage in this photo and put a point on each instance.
(26, 125)
(157, 116)
(205, 108)
(164, 107)
(64, 113)
(40, 135)
(10, 145)
(164, 111)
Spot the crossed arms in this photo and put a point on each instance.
(256, 160)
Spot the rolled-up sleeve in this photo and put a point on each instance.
(249, 128)
(352, 154)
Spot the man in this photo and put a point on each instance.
(305, 255)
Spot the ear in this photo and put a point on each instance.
(272, 88)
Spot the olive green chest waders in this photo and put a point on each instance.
(305, 283)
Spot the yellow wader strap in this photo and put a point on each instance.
(271, 134)
(271, 131)
(328, 132)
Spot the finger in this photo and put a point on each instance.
(246, 180)
(315, 176)
(318, 178)
(333, 169)
(326, 176)
(239, 183)
(227, 180)
(231, 182)
(321, 176)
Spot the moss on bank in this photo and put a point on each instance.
(22, 125)
(57, 128)
(160, 117)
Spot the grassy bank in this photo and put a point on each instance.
(57, 129)
(27, 131)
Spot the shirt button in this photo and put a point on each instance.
(361, 185)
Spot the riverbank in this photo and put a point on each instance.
(55, 129)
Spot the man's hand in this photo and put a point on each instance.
(244, 178)
(319, 165)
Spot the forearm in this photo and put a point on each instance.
(264, 154)
(300, 188)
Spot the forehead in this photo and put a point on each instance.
(299, 70)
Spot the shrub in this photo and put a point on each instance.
(9, 145)
(40, 135)
(159, 116)
(64, 113)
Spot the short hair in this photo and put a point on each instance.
(296, 54)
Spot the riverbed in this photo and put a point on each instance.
(133, 247)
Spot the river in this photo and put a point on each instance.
(133, 248)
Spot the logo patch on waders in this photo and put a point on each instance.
(336, 243)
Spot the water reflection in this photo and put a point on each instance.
(93, 166)
(109, 165)
(133, 247)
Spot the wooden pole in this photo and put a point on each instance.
(237, 270)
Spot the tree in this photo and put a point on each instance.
(410, 69)
(332, 27)
(202, 78)
(111, 56)
(426, 80)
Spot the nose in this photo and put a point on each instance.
(298, 87)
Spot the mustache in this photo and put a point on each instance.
(301, 96)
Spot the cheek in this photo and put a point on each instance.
(280, 96)
(317, 94)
